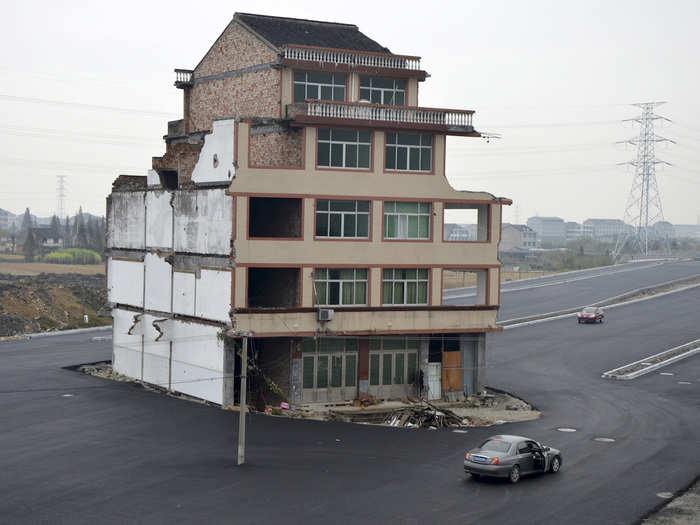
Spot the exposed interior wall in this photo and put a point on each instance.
(125, 282)
(203, 221)
(277, 148)
(273, 287)
(126, 216)
(180, 158)
(274, 217)
(216, 162)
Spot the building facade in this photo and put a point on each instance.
(300, 204)
(549, 230)
(517, 237)
(606, 229)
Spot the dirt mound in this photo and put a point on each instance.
(50, 302)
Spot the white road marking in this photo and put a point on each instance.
(566, 429)
(604, 440)
(665, 495)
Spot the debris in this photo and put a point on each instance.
(284, 405)
(423, 416)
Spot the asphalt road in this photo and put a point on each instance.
(578, 289)
(79, 449)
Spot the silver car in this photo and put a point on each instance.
(511, 457)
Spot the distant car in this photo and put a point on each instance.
(590, 314)
(511, 457)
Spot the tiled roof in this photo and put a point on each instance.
(280, 31)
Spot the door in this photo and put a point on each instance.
(524, 458)
(434, 381)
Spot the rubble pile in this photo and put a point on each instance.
(424, 416)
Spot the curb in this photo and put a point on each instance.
(561, 314)
(693, 348)
(39, 335)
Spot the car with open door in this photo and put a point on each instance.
(511, 457)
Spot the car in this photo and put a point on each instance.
(590, 314)
(511, 457)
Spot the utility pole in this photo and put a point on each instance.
(241, 416)
(61, 195)
(644, 202)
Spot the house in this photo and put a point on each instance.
(517, 237)
(300, 204)
(606, 229)
(549, 230)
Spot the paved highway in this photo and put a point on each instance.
(79, 449)
(571, 290)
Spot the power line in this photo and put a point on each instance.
(89, 107)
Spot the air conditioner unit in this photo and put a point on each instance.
(325, 315)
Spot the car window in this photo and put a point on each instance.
(496, 445)
(523, 448)
(532, 445)
(589, 310)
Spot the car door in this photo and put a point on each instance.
(524, 457)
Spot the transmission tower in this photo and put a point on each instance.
(644, 202)
(61, 195)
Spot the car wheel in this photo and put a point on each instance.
(601, 319)
(556, 465)
(514, 475)
(579, 321)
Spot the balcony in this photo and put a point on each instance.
(350, 60)
(448, 121)
(183, 78)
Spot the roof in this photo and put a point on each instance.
(279, 31)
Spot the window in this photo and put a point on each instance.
(465, 222)
(343, 148)
(405, 286)
(320, 86)
(407, 220)
(274, 218)
(342, 218)
(409, 152)
(393, 361)
(329, 363)
(340, 286)
(389, 91)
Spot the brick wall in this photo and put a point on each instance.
(283, 149)
(236, 48)
(255, 94)
(251, 94)
(180, 157)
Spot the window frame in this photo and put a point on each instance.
(343, 213)
(393, 91)
(357, 144)
(489, 222)
(346, 85)
(376, 372)
(409, 147)
(405, 282)
(341, 282)
(429, 214)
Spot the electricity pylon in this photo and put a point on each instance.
(644, 202)
(61, 196)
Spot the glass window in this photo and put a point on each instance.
(407, 220)
(342, 218)
(342, 148)
(322, 86)
(308, 371)
(337, 370)
(386, 368)
(322, 372)
(398, 369)
(350, 369)
(412, 366)
(340, 286)
(409, 152)
(388, 91)
(405, 286)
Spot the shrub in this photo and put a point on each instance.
(73, 256)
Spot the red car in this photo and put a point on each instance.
(590, 314)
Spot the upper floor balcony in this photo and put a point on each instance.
(325, 112)
(351, 60)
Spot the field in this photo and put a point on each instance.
(15, 265)
(453, 279)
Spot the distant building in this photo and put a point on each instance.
(459, 234)
(664, 230)
(606, 229)
(6, 219)
(548, 229)
(687, 231)
(517, 237)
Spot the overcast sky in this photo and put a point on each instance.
(88, 89)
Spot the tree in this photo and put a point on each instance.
(81, 233)
(26, 221)
(30, 246)
(55, 228)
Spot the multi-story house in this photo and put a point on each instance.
(517, 237)
(300, 203)
(606, 229)
(549, 230)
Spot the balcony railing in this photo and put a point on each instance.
(183, 77)
(459, 120)
(351, 58)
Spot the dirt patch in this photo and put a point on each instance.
(683, 510)
(50, 302)
(16, 267)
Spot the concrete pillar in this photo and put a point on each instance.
(423, 356)
(295, 371)
(480, 370)
(484, 214)
(363, 368)
(229, 372)
(481, 279)
(473, 348)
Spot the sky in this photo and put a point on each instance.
(88, 91)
